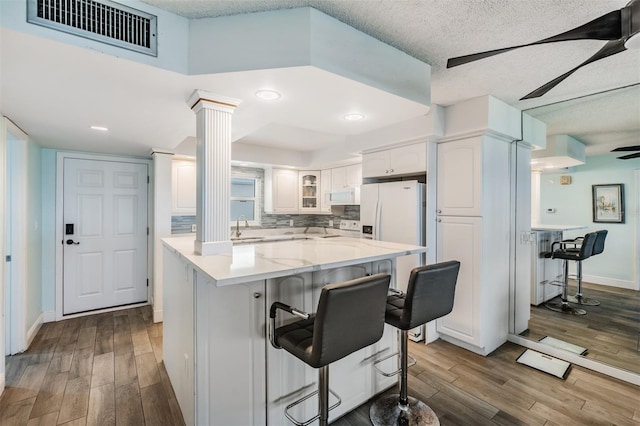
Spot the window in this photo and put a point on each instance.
(245, 199)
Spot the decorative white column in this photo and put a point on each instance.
(213, 171)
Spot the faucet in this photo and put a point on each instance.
(246, 224)
(306, 230)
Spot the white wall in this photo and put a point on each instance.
(573, 205)
(48, 175)
(3, 173)
(34, 237)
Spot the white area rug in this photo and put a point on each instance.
(548, 364)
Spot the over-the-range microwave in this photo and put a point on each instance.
(344, 196)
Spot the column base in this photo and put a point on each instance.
(208, 248)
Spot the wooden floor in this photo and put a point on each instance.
(610, 332)
(106, 369)
(467, 389)
(103, 369)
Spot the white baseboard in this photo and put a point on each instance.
(612, 282)
(157, 315)
(49, 316)
(33, 330)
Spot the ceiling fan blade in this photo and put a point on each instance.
(630, 156)
(610, 48)
(606, 27)
(627, 148)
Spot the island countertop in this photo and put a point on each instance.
(251, 262)
(538, 227)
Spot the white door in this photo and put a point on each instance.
(105, 234)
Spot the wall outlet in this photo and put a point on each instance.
(193, 228)
(330, 224)
(290, 222)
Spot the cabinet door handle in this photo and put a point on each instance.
(256, 295)
(391, 170)
(438, 211)
(438, 220)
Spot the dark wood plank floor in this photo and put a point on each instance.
(467, 389)
(107, 369)
(103, 369)
(611, 331)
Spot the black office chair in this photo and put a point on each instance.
(598, 247)
(567, 254)
(349, 317)
(430, 295)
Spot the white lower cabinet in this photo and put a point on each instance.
(178, 331)
(546, 274)
(479, 319)
(458, 239)
(230, 376)
(219, 358)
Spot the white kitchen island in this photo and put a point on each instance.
(215, 345)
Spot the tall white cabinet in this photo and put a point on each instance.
(473, 193)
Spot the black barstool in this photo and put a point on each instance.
(598, 247)
(586, 248)
(430, 295)
(349, 317)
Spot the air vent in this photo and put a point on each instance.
(104, 21)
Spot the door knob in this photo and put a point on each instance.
(70, 242)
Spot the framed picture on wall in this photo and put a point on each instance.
(608, 203)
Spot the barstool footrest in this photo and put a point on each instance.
(393, 373)
(584, 301)
(564, 308)
(303, 399)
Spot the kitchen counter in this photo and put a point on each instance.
(546, 273)
(272, 259)
(539, 227)
(216, 325)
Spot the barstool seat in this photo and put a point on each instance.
(430, 295)
(349, 317)
(598, 247)
(567, 254)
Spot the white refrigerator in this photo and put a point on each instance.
(395, 212)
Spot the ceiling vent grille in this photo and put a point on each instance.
(103, 21)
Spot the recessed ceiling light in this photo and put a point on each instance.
(100, 128)
(268, 95)
(354, 117)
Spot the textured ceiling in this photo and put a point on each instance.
(429, 30)
(435, 30)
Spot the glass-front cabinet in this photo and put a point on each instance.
(309, 191)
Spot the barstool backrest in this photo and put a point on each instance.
(586, 248)
(598, 246)
(430, 293)
(349, 317)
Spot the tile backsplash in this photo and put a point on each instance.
(182, 224)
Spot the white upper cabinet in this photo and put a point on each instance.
(346, 177)
(281, 191)
(309, 183)
(396, 161)
(325, 187)
(460, 178)
(183, 191)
